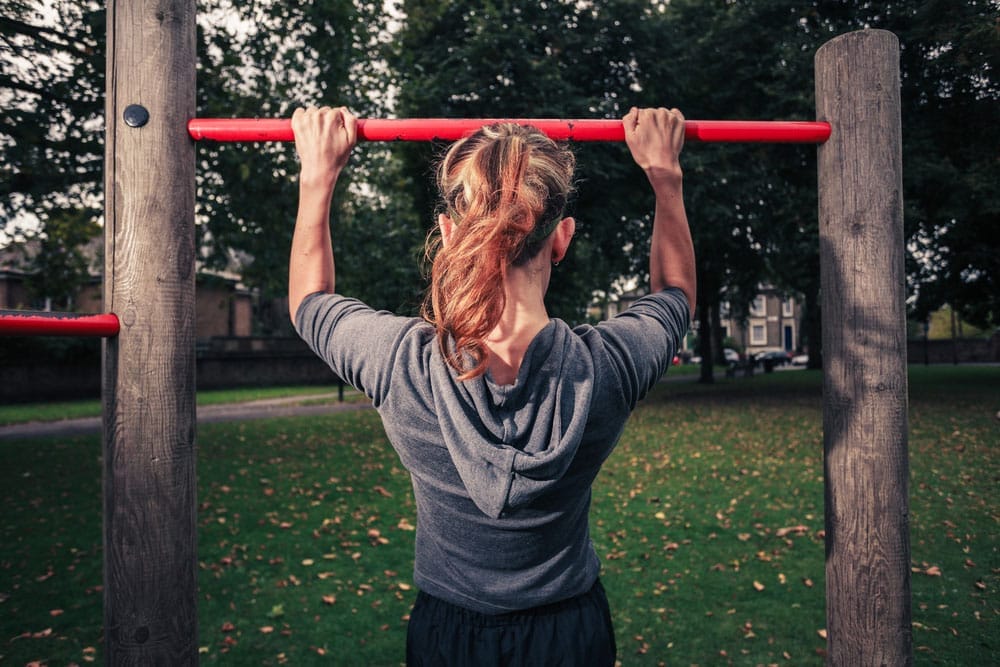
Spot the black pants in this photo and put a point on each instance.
(571, 633)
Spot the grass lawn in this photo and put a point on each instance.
(708, 519)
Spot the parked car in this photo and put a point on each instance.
(730, 356)
(800, 360)
(774, 357)
(771, 360)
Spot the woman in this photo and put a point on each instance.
(502, 416)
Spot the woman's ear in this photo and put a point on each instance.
(561, 238)
(447, 227)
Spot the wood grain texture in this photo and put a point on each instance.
(150, 557)
(864, 351)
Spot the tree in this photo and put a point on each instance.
(751, 207)
(52, 100)
(753, 59)
(949, 58)
(747, 203)
(555, 59)
(950, 92)
(265, 59)
(62, 265)
(261, 59)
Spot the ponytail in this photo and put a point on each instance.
(505, 188)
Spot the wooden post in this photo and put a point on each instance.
(150, 557)
(864, 351)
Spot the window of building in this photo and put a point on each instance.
(788, 307)
(758, 307)
(758, 334)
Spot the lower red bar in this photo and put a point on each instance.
(450, 129)
(28, 323)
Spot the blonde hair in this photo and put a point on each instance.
(505, 188)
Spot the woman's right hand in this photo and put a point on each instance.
(655, 137)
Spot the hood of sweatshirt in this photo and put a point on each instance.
(512, 443)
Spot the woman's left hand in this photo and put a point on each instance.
(324, 138)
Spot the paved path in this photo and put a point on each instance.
(263, 409)
(291, 406)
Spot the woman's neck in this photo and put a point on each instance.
(524, 315)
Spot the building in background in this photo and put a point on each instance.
(772, 324)
(223, 305)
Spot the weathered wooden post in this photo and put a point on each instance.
(864, 351)
(150, 558)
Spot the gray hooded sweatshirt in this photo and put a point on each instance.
(501, 473)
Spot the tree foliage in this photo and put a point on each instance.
(52, 101)
(536, 60)
(263, 60)
(752, 208)
(63, 263)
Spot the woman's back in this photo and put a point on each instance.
(501, 472)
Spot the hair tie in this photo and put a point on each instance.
(542, 231)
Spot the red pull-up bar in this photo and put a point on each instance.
(450, 129)
(33, 323)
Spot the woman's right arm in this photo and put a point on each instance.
(655, 137)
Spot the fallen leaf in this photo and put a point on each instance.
(798, 530)
(329, 599)
(267, 629)
(822, 633)
(375, 537)
(758, 586)
(228, 627)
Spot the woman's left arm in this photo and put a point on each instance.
(323, 140)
